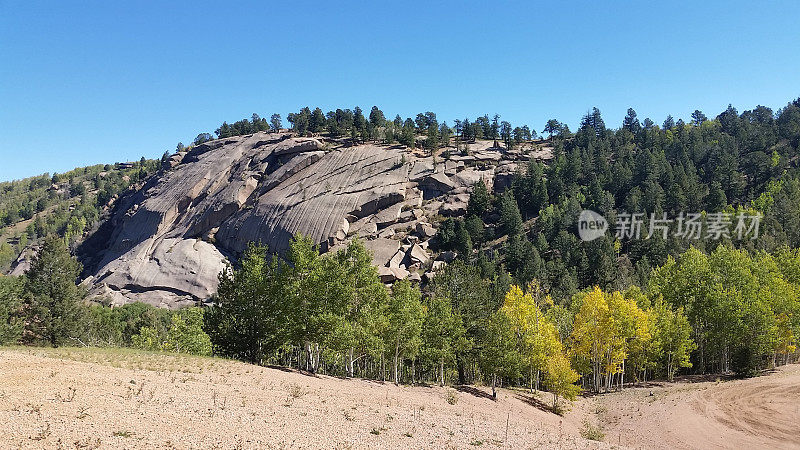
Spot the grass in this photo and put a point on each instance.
(124, 357)
(296, 391)
(82, 412)
(123, 433)
(451, 396)
(591, 432)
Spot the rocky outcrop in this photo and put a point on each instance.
(166, 243)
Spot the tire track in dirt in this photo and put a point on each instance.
(761, 412)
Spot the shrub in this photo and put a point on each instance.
(592, 432)
(186, 334)
(451, 396)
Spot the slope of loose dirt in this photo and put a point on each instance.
(99, 398)
(761, 412)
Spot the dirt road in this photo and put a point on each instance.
(761, 412)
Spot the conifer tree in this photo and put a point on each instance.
(54, 300)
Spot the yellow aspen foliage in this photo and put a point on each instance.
(608, 328)
(560, 379)
(538, 340)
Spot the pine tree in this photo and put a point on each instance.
(275, 122)
(479, 200)
(10, 309)
(244, 321)
(698, 118)
(510, 217)
(631, 123)
(54, 300)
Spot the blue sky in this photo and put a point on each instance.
(98, 82)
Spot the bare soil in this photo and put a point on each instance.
(761, 412)
(119, 398)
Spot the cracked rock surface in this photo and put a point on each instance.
(166, 243)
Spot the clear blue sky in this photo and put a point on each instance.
(90, 82)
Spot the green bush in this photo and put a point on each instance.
(147, 339)
(186, 334)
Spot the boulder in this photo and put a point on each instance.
(455, 205)
(382, 250)
(425, 230)
(390, 275)
(297, 145)
(363, 227)
(398, 259)
(388, 216)
(470, 177)
(504, 176)
(418, 255)
(386, 233)
(400, 273)
(435, 185)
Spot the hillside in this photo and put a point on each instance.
(98, 398)
(68, 204)
(93, 398)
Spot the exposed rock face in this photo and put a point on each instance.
(166, 243)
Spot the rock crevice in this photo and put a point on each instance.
(166, 243)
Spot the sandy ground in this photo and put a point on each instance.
(96, 398)
(761, 412)
(120, 398)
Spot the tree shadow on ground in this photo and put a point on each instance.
(535, 402)
(290, 370)
(472, 390)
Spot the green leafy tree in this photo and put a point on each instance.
(186, 333)
(405, 314)
(247, 319)
(499, 354)
(356, 301)
(673, 336)
(443, 334)
(148, 338)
